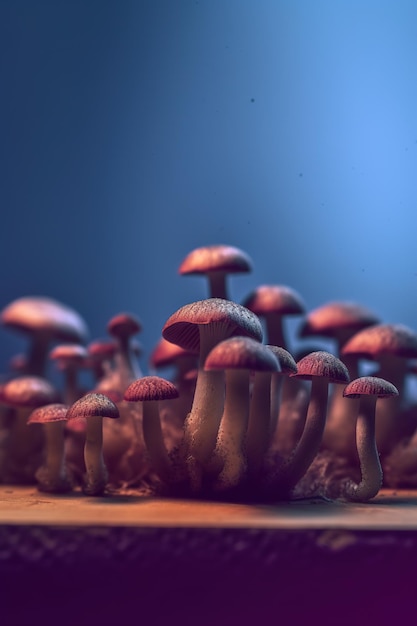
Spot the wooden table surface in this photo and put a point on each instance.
(26, 506)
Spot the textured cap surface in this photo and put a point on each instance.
(49, 413)
(182, 327)
(370, 386)
(323, 364)
(285, 359)
(93, 404)
(241, 353)
(150, 388)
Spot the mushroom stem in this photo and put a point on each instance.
(259, 427)
(371, 471)
(217, 285)
(153, 437)
(232, 431)
(275, 330)
(275, 401)
(309, 443)
(38, 355)
(96, 478)
(52, 475)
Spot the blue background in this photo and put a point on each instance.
(132, 132)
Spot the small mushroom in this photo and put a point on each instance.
(94, 407)
(367, 390)
(52, 475)
(150, 390)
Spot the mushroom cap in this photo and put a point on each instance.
(182, 327)
(383, 339)
(216, 258)
(124, 325)
(102, 349)
(69, 353)
(166, 353)
(27, 391)
(242, 353)
(278, 299)
(93, 405)
(322, 364)
(49, 413)
(333, 318)
(150, 388)
(47, 316)
(285, 359)
(370, 386)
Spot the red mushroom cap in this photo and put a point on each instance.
(124, 325)
(274, 299)
(27, 391)
(45, 315)
(150, 388)
(216, 258)
(241, 353)
(375, 341)
(334, 318)
(322, 364)
(370, 386)
(182, 327)
(49, 413)
(93, 405)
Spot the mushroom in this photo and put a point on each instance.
(44, 320)
(94, 407)
(367, 390)
(216, 262)
(123, 327)
(237, 356)
(22, 448)
(70, 358)
(338, 321)
(52, 475)
(391, 346)
(101, 353)
(322, 368)
(199, 327)
(264, 407)
(273, 303)
(150, 390)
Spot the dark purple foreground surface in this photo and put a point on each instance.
(105, 576)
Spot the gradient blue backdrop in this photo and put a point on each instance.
(135, 131)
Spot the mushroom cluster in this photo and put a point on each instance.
(244, 414)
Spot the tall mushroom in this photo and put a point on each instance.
(237, 356)
(216, 262)
(367, 390)
(199, 327)
(322, 368)
(94, 407)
